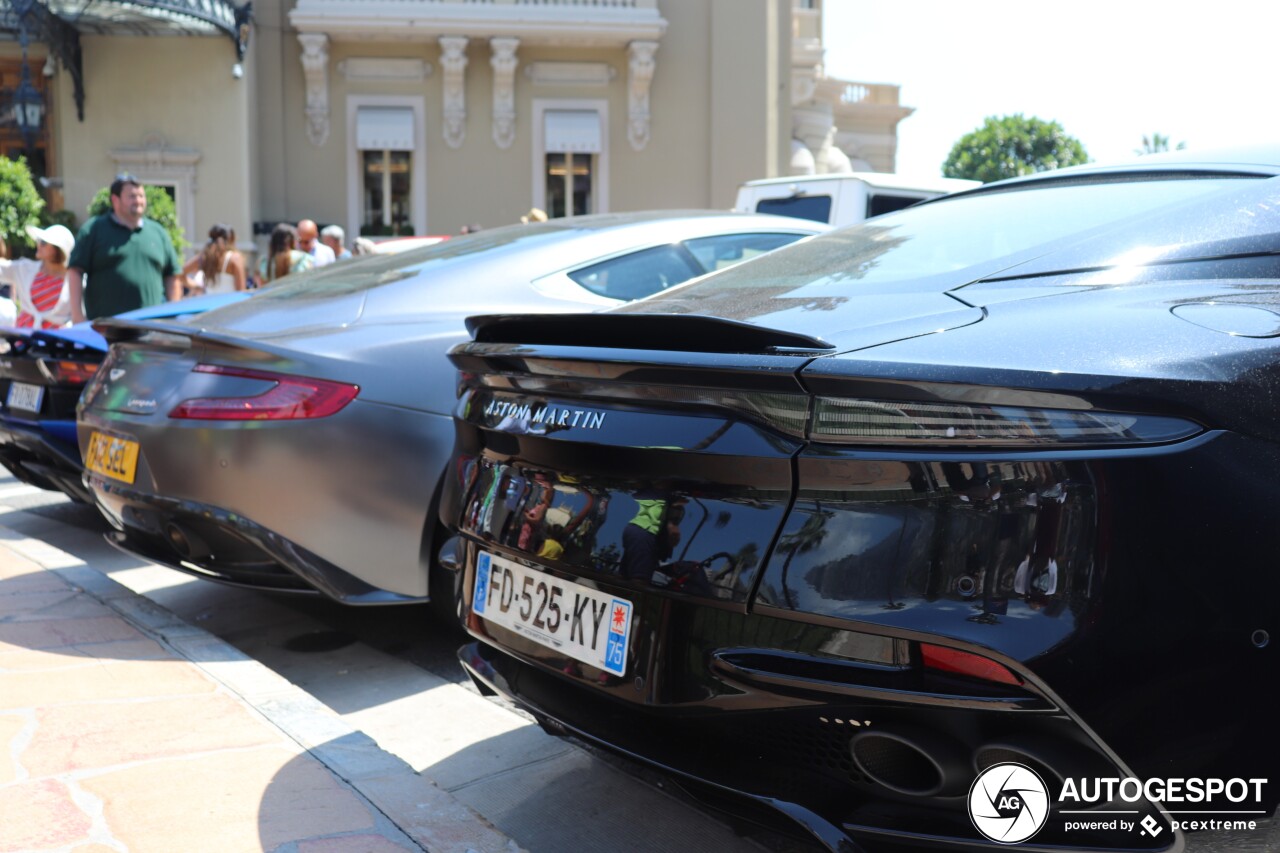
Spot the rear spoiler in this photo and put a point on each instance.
(691, 332)
(180, 335)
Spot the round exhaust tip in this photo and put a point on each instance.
(914, 763)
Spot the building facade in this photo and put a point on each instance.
(422, 116)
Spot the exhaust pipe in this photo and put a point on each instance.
(189, 545)
(1055, 760)
(912, 761)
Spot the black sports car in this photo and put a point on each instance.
(987, 483)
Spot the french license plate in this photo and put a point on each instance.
(25, 397)
(112, 457)
(583, 623)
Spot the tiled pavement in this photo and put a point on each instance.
(122, 728)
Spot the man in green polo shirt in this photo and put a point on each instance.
(128, 258)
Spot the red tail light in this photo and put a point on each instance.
(291, 398)
(74, 372)
(965, 663)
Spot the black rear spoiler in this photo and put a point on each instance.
(690, 332)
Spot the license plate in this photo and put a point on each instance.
(112, 457)
(583, 623)
(26, 397)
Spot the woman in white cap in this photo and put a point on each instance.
(39, 286)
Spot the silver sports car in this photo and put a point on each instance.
(295, 442)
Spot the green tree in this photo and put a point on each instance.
(1155, 143)
(1009, 146)
(20, 202)
(159, 207)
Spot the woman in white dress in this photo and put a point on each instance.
(220, 266)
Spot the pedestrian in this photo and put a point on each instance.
(309, 242)
(535, 214)
(128, 258)
(39, 287)
(283, 256)
(220, 265)
(365, 246)
(333, 237)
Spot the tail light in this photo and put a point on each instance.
(74, 372)
(852, 421)
(290, 398)
(957, 662)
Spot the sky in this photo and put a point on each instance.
(1108, 72)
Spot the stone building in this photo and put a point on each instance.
(421, 116)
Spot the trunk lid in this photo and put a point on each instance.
(558, 468)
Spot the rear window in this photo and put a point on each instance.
(814, 207)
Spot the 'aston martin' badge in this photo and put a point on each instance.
(531, 415)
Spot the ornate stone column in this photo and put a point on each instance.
(504, 64)
(315, 71)
(642, 66)
(453, 59)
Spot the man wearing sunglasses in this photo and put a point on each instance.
(129, 259)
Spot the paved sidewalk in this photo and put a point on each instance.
(124, 728)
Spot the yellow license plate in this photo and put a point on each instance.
(112, 457)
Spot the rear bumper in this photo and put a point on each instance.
(36, 455)
(791, 768)
(494, 674)
(212, 543)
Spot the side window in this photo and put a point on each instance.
(638, 274)
(878, 204)
(725, 250)
(815, 207)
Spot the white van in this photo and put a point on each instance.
(843, 198)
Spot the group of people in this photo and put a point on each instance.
(301, 247)
(130, 262)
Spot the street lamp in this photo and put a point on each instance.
(28, 106)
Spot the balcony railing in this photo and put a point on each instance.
(599, 23)
(869, 93)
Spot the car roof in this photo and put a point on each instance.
(1261, 159)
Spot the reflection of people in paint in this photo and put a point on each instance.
(1037, 574)
(534, 515)
(551, 548)
(652, 534)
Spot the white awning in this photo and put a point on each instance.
(576, 131)
(384, 129)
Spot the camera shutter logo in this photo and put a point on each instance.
(1008, 803)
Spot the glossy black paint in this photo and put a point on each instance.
(1118, 598)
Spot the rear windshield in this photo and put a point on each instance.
(947, 243)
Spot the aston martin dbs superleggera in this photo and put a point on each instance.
(294, 441)
(989, 481)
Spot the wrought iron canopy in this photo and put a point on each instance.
(59, 24)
